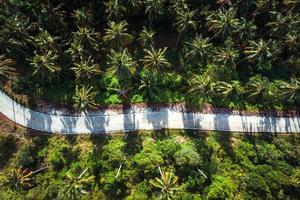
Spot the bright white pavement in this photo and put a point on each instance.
(143, 120)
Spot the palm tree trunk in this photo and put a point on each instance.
(178, 39)
(41, 169)
(49, 4)
(151, 20)
(188, 59)
(120, 167)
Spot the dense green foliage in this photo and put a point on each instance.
(150, 165)
(245, 52)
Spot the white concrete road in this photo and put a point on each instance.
(143, 120)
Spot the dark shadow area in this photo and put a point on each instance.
(38, 121)
(7, 147)
(129, 119)
(221, 122)
(225, 140)
(157, 118)
(95, 124)
(224, 137)
(268, 124)
(133, 143)
(191, 120)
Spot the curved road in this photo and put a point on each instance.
(143, 120)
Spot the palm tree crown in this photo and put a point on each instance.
(154, 8)
(147, 37)
(227, 90)
(155, 59)
(54, 16)
(201, 85)
(258, 51)
(83, 17)
(121, 64)
(290, 90)
(257, 87)
(227, 56)
(86, 69)
(6, 69)
(76, 186)
(84, 98)
(45, 41)
(45, 63)
(116, 34)
(184, 21)
(114, 9)
(223, 23)
(18, 179)
(167, 183)
(199, 47)
(87, 37)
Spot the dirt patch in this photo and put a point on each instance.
(8, 126)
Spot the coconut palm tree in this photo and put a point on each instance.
(154, 8)
(167, 183)
(75, 186)
(280, 25)
(223, 23)
(17, 179)
(147, 37)
(6, 69)
(247, 29)
(121, 64)
(201, 85)
(116, 34)
(155, 59)
(54, 16)
(184, 21)
(84, 98)
(257, 87)
(228, 90)
(245, 6)
(44, 41)
(83, 17)
(227, 56)
(86, 69)
(291, 41)
(136, 5)
(198, 48)
(45, 63)
(290, 90)
(87, 37)
(179, 5)
(263, 9)
(14, 35)
(258, 51)
(114, 9)
(76, 51)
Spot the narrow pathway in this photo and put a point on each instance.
(143, 120)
